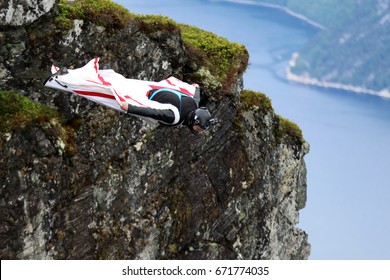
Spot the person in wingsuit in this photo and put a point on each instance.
(170, 102)
(188, 111)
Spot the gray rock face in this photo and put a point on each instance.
(21, 12)
(106, 186)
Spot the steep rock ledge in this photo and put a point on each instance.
(100, 185)
(18, 13)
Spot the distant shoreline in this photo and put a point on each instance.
(307, 80)
(278, 7)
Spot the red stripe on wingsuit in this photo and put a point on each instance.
(108, 96)
(95, 64)
(93, 93)
(169, 82)
(94, 82)
(183, 90)
(143, 105)
(129, 97)
(120, 97)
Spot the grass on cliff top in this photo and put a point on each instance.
(153, 23)
(222, 57)
(16, 111)
(290, 129)
(101, 12)
(251, 99)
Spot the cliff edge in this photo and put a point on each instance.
(81, 181)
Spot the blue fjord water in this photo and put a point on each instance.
(347, 210)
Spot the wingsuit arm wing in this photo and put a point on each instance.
(163, 115)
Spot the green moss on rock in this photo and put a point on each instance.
(153, 23)
(16, 111)
(223, 58)
(287, 128)
(101, 12)
(252, 99)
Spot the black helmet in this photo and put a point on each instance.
(201, 120)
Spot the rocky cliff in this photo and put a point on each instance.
(81, 181)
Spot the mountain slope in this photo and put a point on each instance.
(352, 49)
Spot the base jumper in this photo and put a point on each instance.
(170, 102)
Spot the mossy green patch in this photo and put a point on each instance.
(153, 23)
(223, 58)
(252, 99)
(241, 216)
(101, 12)
(16, 111)
(288, 128)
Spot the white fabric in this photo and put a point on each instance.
(106, 86)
